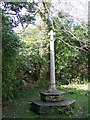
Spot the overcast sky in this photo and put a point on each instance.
(77, 8)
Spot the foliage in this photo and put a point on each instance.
(29, 61)
(70, 64)
(12, 17)
(71, 45)
(14, 10)
(33, 57)
(10, 44)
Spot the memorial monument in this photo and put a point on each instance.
(52, 100)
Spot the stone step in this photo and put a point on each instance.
(52, 97)
(42, 107)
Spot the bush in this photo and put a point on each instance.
(10, 45)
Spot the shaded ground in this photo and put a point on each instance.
(20, 107)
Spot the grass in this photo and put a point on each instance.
(20, 107)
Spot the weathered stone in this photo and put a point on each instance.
(42, 107)
(52, 63)
(52, 101)
(52, 97)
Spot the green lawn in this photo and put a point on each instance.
(20, 107)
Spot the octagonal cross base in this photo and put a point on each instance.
(52, 97)
(42, 107)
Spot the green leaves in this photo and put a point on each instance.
(10, 44)
(19, 12)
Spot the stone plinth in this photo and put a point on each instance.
(51, 103)
(42, 107)
(52, 97)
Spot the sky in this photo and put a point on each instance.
(76, 8)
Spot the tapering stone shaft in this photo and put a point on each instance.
(52, 63)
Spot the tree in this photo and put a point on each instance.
(70, 36)
(15, 12)
(11, 17)
(33, 53)
(10, 45)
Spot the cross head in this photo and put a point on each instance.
(51, 34)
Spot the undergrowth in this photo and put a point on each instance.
(20, 107)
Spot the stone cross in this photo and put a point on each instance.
(52, 63)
